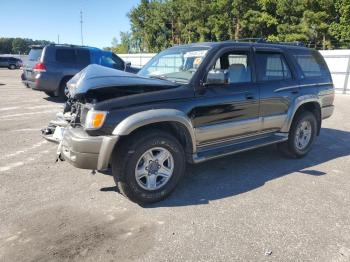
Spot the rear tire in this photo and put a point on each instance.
(301, 135)
(139, 170)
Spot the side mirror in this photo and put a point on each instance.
(216, 77)
(127, 64)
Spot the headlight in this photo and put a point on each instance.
(95, 119)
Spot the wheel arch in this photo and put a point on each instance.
(64, 79)
(171, 120)
(312, 105)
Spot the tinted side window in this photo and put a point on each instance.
(83, 57)
(65, 55)
(272, 66)
(119, 64)
(111, 60)
(35, 54)
(311, 63)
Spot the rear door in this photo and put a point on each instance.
(278, 87)
(83, 58)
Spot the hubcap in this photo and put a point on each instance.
(303, 135)
(154, 168)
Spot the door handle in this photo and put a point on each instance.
(249, 96)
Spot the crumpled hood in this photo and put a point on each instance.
(97, 77)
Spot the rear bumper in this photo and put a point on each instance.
(87, 152)
(327, 111)
(29, 83)
(42, 82)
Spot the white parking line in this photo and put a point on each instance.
(23, 150)
(45, 106)
(9, 108)
(26, 129)
(21, 163)
(10, 166)
(28, 113)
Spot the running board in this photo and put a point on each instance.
(238, 146)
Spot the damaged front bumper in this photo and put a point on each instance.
(85, 151)
(54, 131)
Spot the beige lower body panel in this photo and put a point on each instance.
(221, 131)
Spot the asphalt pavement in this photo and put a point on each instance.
(253, 206)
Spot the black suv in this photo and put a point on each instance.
(193, 103)
(50, 67)
(10, 62)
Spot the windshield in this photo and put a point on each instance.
(176, 64)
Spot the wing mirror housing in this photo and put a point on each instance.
(127, 64)
(217, 77)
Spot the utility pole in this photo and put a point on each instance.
(81, 27)
(58, 39)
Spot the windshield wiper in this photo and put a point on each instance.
(162, 78)
(158, 77)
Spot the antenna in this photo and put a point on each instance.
(81, 27)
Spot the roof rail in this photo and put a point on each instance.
(255, 40)
(263, 40)
(295, 43)
(69, 45)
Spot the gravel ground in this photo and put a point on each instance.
(253, 206)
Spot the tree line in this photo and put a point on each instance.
(158, 24)
(18, 45)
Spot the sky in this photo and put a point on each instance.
(46, 19)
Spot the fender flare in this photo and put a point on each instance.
(297, 103)
(152, 116)
(137, 120)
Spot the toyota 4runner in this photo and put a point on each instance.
(193, 103)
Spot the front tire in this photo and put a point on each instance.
(148, 166)
(301, 135)
(63, 91)
(12, 67)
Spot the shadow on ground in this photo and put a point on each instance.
(246, 171)
(54, 99)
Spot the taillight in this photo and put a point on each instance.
(39, 67)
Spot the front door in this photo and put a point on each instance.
(228, 110)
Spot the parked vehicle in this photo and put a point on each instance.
(50, 67)
(190, 104)
(10, 62)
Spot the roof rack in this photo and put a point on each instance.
(263, 40)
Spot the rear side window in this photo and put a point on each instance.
(272, 66)
(311, 64)
(64, 55)
(35, 54)
(83, 57)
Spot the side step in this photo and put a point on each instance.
(238, 146)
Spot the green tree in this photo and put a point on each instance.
(340, 28)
